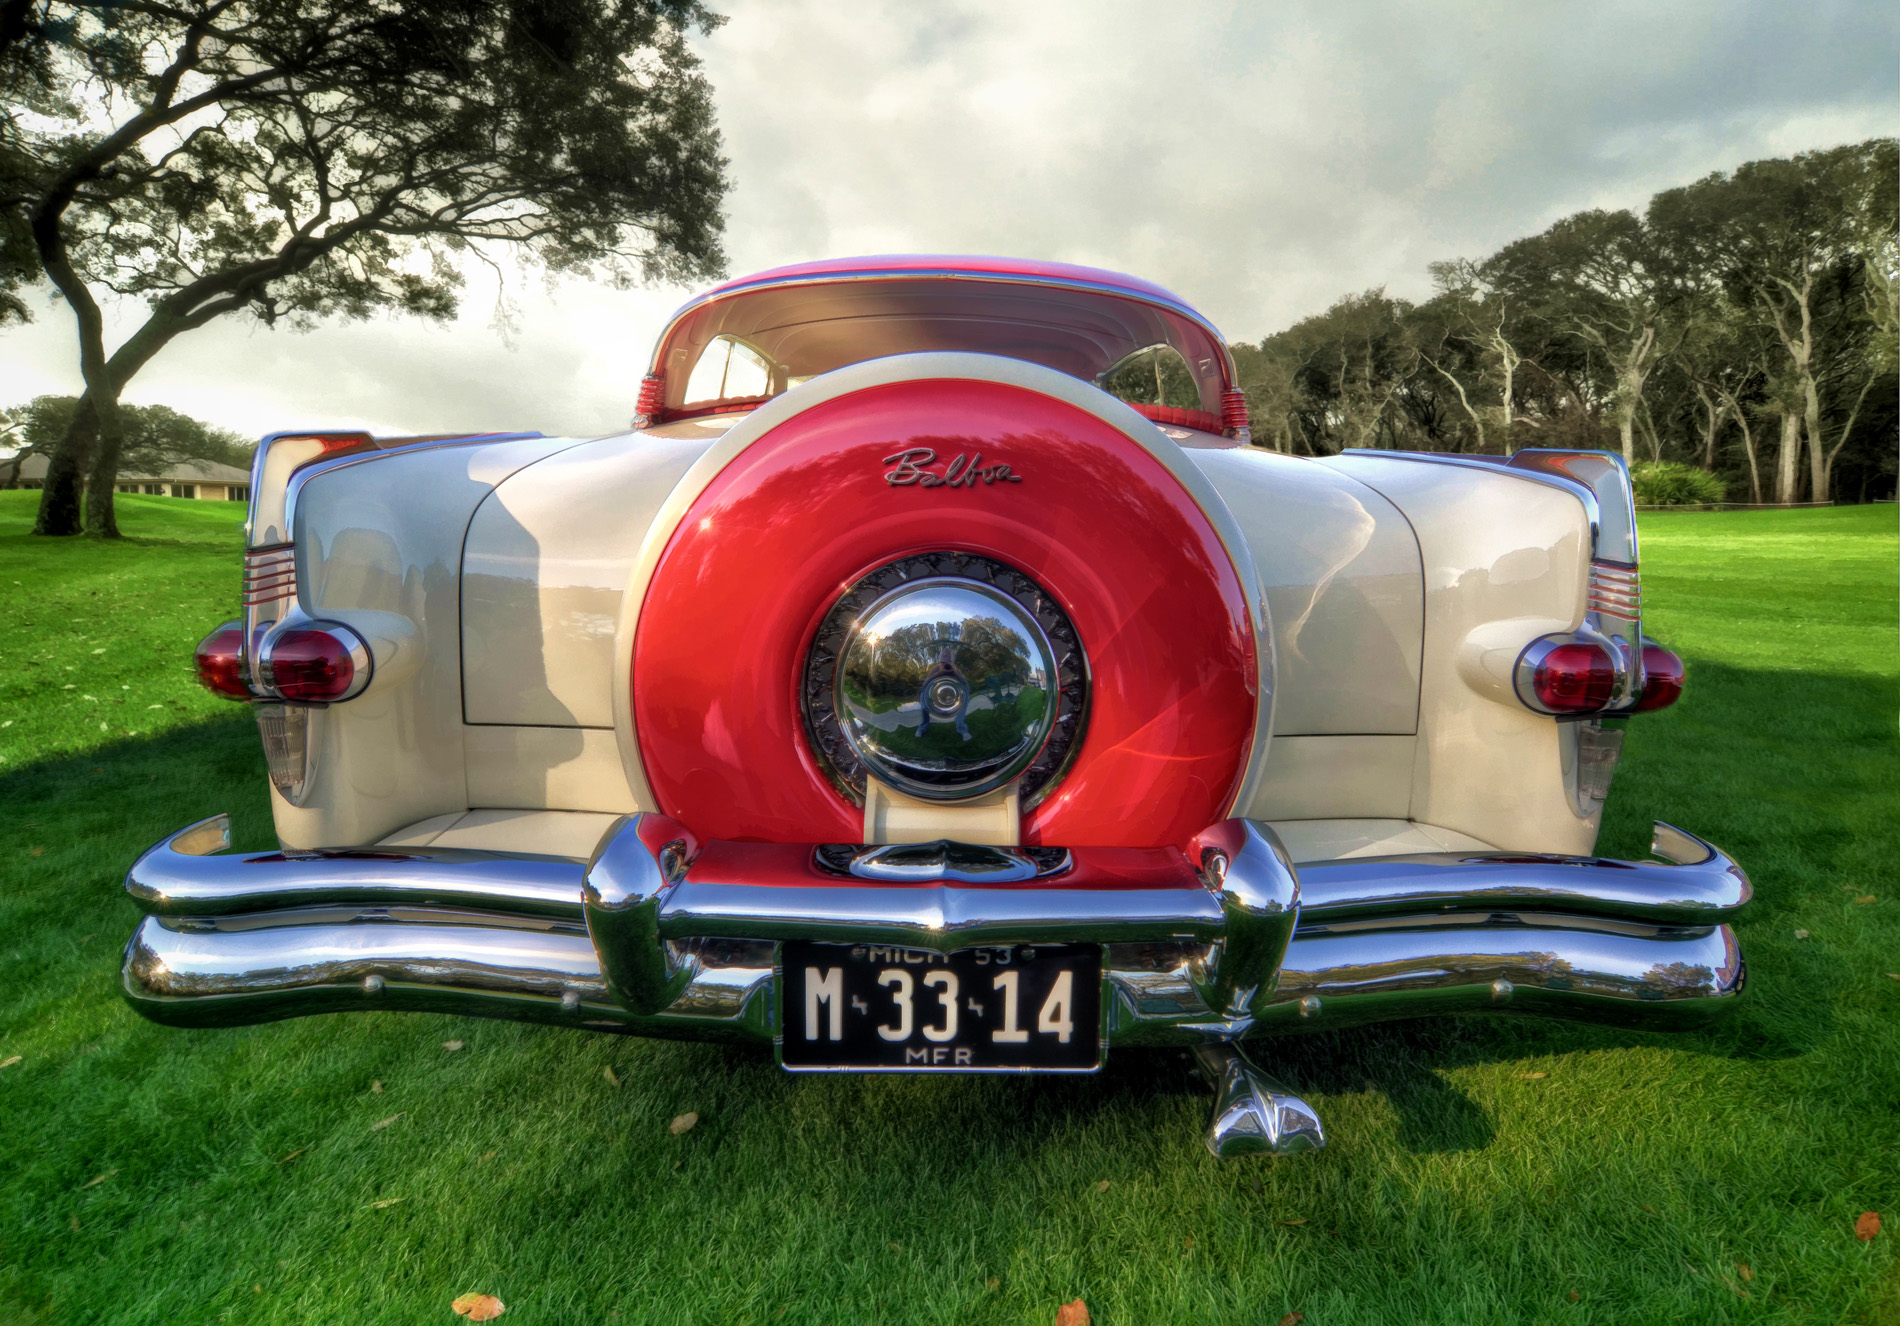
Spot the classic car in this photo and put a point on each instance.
(936, 679)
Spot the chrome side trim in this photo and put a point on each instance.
(178, 877)
(1702, 885)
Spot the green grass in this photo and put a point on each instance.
(243, 1170)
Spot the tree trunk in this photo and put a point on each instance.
(1748, 446)
(101, 519)
(59, 512)
(1787, 470)
(1817, 461)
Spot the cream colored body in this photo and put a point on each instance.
(500, 587)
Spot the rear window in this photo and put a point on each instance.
(737, 352)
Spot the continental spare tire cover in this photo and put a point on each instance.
(947, 454)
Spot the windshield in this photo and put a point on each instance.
(736, 352)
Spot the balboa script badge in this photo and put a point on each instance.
(963, 472)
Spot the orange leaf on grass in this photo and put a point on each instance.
(683, 1123)
(1744, 1270)
(478, 1307)
(384, 1123)
(1867, 1226)
(1292, 1319)
(95, 1182)
(11, 1060)
(1866, 897)
(1073, 1314)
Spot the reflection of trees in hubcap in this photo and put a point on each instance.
(942, 688)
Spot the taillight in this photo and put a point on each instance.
(1575, 677)
(316, 665)
(221, 664)
(1662, 677)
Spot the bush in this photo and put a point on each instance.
(1671, 483)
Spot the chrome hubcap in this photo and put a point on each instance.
(945, 676)
(943, 688)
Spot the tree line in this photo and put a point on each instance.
(1743, 324)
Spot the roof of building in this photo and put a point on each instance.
(183, 471)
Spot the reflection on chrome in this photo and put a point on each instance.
(943, 688)
(1253, 1114)
(633, 942)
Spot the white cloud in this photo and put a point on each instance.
(1260, 160)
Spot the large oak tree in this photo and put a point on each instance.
(301, 159)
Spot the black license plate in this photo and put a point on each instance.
(871, 1008)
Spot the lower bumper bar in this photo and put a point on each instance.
(658, 936)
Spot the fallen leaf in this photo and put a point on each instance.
(1892, 976)
(488, 1156)
(478, 1307)
(1188, 1244)
(1292, 1319)
(387, 1201)
(257, 1289)
(1073, 1314)
(380, 1124)
(992, 1284)
(293, 1155)
(897, 1247)
(1867, 897)
(612, 1079)
(376, 1086)
(1744, 1270)
(93, 1183)
(75, 1224)
(1302, 1220)
(453, 1046)
(1102, 1186)
(1575, 1296)
(37, 851)
(683, 1123)
(1800, 934)
(1533, 1077)
(11, 1060)
(1647, 1207)
(1864, 1228)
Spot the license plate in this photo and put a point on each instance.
(871, 1008)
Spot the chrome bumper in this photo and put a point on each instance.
(659, 935)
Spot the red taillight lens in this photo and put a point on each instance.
(220, 662)
(1575, 678)
(312, 666)
(1662, 673)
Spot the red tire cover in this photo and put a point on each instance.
(804, 512)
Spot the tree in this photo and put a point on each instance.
(1604, 278)
(1793, 241)
(301, 159)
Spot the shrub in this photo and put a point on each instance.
(1671, 483)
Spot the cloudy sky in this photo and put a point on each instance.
(1258, 159)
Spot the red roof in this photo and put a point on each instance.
(927, 264)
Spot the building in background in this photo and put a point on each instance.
(205, 480)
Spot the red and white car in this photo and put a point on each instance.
(937, 680)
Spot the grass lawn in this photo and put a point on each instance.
(1478, 1171)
